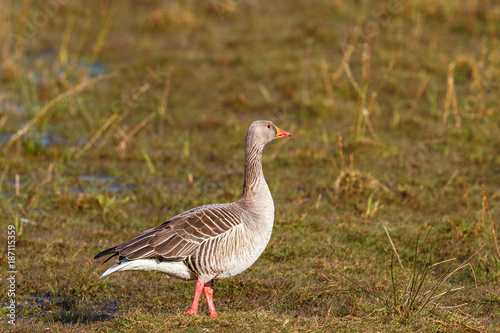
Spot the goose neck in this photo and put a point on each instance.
(253, 169)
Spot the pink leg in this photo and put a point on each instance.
(194, 308)
(209, 292)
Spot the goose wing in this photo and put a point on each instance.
(180, 236)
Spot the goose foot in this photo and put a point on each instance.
(191, 312)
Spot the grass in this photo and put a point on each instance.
(114, 118)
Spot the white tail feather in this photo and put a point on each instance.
(174, 268)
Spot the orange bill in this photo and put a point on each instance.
(281, 134)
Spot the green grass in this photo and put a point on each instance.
(412, 91)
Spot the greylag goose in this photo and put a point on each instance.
(214, 241)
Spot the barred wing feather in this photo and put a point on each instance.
(181, 236)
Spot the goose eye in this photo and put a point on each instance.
(268, 125)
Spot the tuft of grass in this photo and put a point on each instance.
(171, 16)
(352, 181)
(426, 288)
(419, 290)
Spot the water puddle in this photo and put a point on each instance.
(86, 184)
(37, 138)
(72, 310)
(96, 179)
(45, 301)
(102, 183)
(11, 107)
(70, 71)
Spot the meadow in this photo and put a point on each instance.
(115, 116)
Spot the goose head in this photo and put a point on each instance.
(264, 131)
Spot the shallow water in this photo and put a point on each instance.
(98, 183)
(42, 139)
